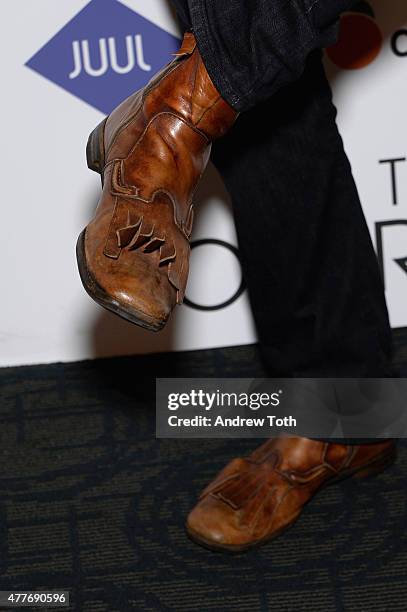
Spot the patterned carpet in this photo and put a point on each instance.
(91, 502)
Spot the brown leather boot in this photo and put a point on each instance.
(151, 152)
(254, 499)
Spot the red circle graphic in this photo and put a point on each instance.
(359, 43)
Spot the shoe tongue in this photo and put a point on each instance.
(188, 45)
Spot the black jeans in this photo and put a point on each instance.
(253, 47)
(312, 274)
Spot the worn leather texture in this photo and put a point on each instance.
(156, 146)
(255, 498)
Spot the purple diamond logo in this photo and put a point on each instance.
(104, 54)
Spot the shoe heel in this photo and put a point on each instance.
(95, 154)
(378, 466)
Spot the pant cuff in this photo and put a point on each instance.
(210, 54)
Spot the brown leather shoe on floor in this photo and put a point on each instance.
(256, 498)
(151, 152)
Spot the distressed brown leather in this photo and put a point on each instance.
(253, 499)
(156, 145)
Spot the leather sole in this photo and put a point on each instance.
(95, 160)
(368, 470)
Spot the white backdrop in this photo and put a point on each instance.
(48, 194)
